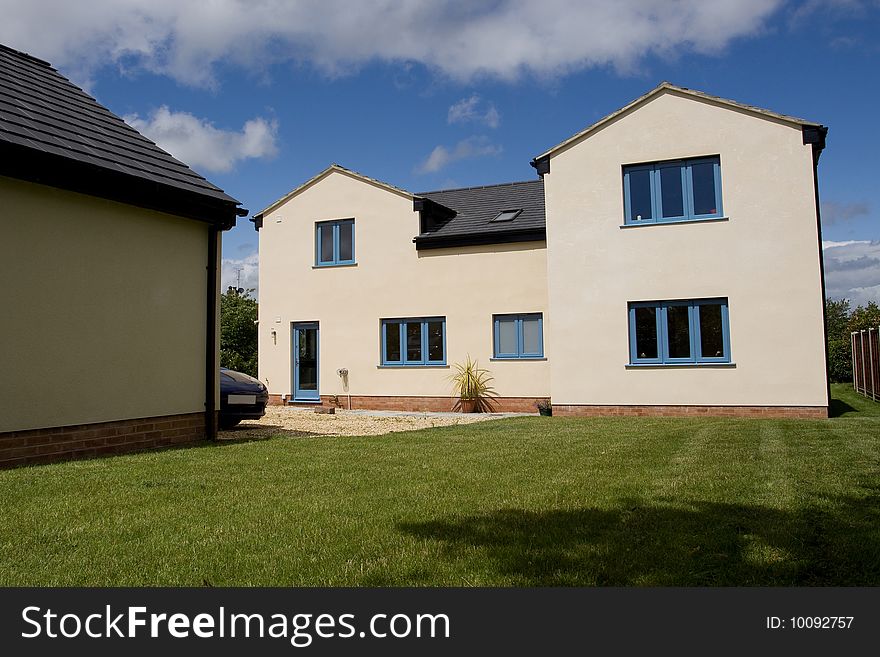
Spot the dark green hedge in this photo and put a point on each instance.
(839, 360)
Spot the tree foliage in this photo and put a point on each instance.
(837, 319)
(839, 360)
(238, 331)
(864, 318)
(841, 321)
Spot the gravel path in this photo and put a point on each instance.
(289, 421)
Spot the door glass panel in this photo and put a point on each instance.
(435, 341)
(711, 334)
(646, 332)
(703, 178)
(325, 236)
(678, 329)
(392, 342)
(414, 341)
(640, 195)
(531, 335)
(507, 336)
(346, 242)
(671, 191)
(308, 359)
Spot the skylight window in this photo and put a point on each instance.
(507, 215)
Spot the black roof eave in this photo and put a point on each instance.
(424, 242)
(17, 161)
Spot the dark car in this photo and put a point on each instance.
(242, 397)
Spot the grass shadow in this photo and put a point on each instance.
(849, 404)
(245, 433)
(838, 407)
(665, 544)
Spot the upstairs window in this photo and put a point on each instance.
(678, 190)
(518, 336)
(334, 243)
(679, 332)
(414, 341)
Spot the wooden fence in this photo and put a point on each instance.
(866, 362)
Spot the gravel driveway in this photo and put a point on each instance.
(290, 421)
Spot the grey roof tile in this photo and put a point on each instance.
(477, 206)
(43, 111)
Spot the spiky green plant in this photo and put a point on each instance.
(472, 383)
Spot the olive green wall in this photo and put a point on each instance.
(102, 310)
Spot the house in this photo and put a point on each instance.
(110, 295)
(667, 261)
(343, 286)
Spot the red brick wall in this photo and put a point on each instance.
(430, 404)
(527, 405)
(793, 412)
(86, 440)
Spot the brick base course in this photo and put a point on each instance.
(789, 412)
(527, 405)
(87, 440)
(416, 404)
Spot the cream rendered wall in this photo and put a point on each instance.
(103, 310)
(391, 280)
(765, 259)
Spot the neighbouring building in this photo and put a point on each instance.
(667, 261)
(110, 292)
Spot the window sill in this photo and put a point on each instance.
(335, 266)
(675, 222)
(514, 360)
(438, 366)
(666, 366)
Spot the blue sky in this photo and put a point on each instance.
(260, 96)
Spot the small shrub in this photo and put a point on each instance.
(839, 361)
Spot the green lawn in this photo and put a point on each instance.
(518, 502)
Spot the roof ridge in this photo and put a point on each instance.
(339, 167)
(463, 189)
(334, 167)
(24, 55)
(665, 85)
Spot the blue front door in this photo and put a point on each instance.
(305, 362)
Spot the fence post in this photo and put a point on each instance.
(864, 378)
(857, 359)
(871, 364)
(852, 345)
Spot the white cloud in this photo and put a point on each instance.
(202, 146)
(834, 212)
(471, 110)
(249, 268)
(832, 8)
(498, 38)
(852, 270)
(468, 148)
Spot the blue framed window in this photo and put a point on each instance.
(419, 341)
(679, 332)
(678, 190)
(334, 243)
(518, 336)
